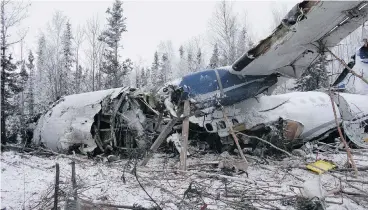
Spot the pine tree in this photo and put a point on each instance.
(242, 43)
(155, 75)
(214, 61)
(190, 62)
(78, 75)
(182, 64)
(23, 78)
(68, 60)
(11, 86)
(181, 52)
(143, 78)
(30, 97)
(127, 67)
(165, 68)
(23, 75)
(112, 36)
(199, 60)
(41, 57)
(315, 77)
(42, 78)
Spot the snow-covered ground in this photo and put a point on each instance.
(27, 182)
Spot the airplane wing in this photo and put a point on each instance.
(297, 42)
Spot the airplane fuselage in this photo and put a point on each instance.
(218, 86)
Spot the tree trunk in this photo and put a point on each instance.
(116, 66)
(93, 62)
(3, 132)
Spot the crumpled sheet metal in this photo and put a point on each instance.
(70, 119)
(354, 113)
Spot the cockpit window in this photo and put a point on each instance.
(200, 82)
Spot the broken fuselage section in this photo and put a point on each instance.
(114, 118)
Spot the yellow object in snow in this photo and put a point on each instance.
(320, 166)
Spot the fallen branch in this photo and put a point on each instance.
(136, 177)
(110, 205)
(234, 136)
(168, 191)
(164, 133)
(218, 176)
(49, 152)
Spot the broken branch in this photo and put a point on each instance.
(159, 141)
(347, 148)
(234, 136)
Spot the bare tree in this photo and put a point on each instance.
(166, 52)
(78, 40)
(224, 26)
(54, 63)
(93, 31)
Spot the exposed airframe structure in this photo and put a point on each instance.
(302, 36)
(97, 119)
(126, 117)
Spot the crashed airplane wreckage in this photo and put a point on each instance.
(118, 117)
(128, 118)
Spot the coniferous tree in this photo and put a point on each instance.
(190, 62)
(23, 78)
(143, 78)
(11, 86)
(154, 69)
(127, 67)
(315, 77)
(41, 48)
(112, 36)
(199, 61)
(182, 64)
(23, 75)
(78, 76)
(42, 77)
(165, 68)
(181, 52)
(242, 43)
(30, 97)
(214, 61)
(68, 60)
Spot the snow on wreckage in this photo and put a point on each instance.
(235, 86)
(93, 120)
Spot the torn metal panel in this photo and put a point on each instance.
(354, 113)
(294, 44)
(299, 107)
(109, 117)
(70, 119)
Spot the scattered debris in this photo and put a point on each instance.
(321, 166)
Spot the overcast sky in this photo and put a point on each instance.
(149, 22)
